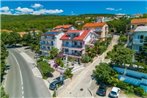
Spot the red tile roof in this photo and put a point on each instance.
(94, 25)
(63, 26)
(73, 31)
(139, 21)
(81, 37)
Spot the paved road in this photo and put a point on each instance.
(20, 82)
(83, 80)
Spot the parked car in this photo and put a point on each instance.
(114, 92)
(57, 81)
(102, 90)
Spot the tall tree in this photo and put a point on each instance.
(121, 55)
(103, 73)
(53, 52)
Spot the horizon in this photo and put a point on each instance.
(72, 7)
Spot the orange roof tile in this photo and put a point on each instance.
(94, 25)
(81, 37)
(139, 21)
(63, 26)
(73, 31)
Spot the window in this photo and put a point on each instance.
(67, 43)
(52, 43)
(141, 36)
(140, 48)
(66, 50)
(75, 43)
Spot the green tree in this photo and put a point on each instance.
(119, 25)
(53, 52)
(3, 56)
(121, 55)
(103, 73)
(14, 38)
(68, 73)
(3, 94)
(5, 37)
(45, 68)
(85, 58)
(123, 39)
(59, 62)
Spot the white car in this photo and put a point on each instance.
(114, 92)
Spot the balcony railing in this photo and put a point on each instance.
(74, 54)
(138, 41)
(48, 38)
(72, 46)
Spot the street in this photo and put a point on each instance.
(20, 82)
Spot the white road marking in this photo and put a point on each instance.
(21, 79)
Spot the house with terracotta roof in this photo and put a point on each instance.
(138, 22)
(99, 28)
(74, 41)
(64, 28)
(49, 40)
(137, 39)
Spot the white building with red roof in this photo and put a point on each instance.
(64, 28)
(74, 41)
(99, 28)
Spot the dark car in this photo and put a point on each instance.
(57, 81)
(101, 90)
(54, 85)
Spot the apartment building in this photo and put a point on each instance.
(138, 38)
(74, 42)
(49, 40)
(100, 29)
(138, 22)
(64, 28)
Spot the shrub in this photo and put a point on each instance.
(59, 62)
(122, 84)
(68, 73)
(139, 91)
(54, 94)
(45, 68)
(85, 58)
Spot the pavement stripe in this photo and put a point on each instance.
(20, 75)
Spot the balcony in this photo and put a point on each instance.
(51, 44)
(73, 47)
(98, 30)
(48, 38)
(138, 41)
(76, 55)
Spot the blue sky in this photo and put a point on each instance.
(72, 7)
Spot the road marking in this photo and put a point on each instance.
(21, 79)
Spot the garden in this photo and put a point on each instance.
(92, 51)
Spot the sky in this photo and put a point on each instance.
(72, 7)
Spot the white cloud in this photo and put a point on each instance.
(45, 11)
(5, 8)
(121, 14)
(24, 10)
(110, 9)
(114, 9)
(37, 5)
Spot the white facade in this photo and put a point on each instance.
(101, 32)
(138, 38)
(75, 48)
(49, 40)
